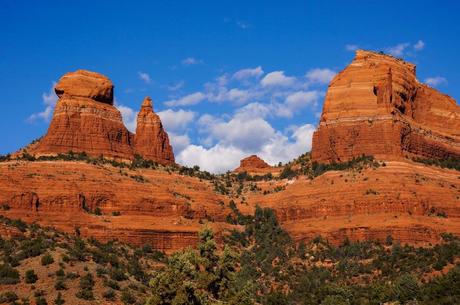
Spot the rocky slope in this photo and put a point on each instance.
(85, 120)
(376, 106)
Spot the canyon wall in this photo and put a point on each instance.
(376, 106)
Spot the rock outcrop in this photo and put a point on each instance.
(376, 106)
(85, 120)
(252, 164)
(151, 140)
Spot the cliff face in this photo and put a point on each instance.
(376, 106)
(151, 140)
(85, 120)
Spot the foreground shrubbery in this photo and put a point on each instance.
(451, 163)
(259, 264)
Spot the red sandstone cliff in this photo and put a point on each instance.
(376, 106)
(151, 140)
(85, 120)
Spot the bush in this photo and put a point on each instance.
(85, 294)
(127, 297)
(109, 295)
(40, 301)
(31, 277)
(47, 259)
(59, 300)
(8, 297)
(60, 285)
(8, 275)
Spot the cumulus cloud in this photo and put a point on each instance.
(176, 120)
(320, 76)
(419, 45)
(277, 78)
(248, 73)
(49, 100)
(188, 100)
(189, 61)
(179, 142)
(298, 100)
(436, 81)
(128, 115)
(225, 155)
(398, 50)
(145, 77)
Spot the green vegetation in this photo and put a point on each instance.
(259, 263)
(31, 277)
(450, 162)
(47, 259)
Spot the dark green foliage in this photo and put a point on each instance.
(8, 275)
(60, 284)
(86, 287)
(8, 297)
(127, 297)
(450, 162)
(40, 301)
(30, 277)
(47, 259)
(59, 300)
(288, 173)
(109, 295)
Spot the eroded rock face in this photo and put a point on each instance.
(251, 164)
(151, 140)
(376, 106)
(85, 120)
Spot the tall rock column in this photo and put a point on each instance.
(151, 140)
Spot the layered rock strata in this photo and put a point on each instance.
(376, 106)
(85, 120)
(151, 140)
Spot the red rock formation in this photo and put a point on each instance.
(252, 164)
(85, 119)
(151, 140)
(376, 106)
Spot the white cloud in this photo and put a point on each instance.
(176, 120)
(277, 78)
(49, 100)
(176, 86)
(190, 61)
(248, 73)
(351, 47)
(420, 45)
(299, 100)
(225, 156)
(188, 100)
(436, 81)
(217, 159)
(129, 116)
(144, 77)
(321, 76)
(398, 50)
(179, 142)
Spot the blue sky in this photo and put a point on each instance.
(229, 78)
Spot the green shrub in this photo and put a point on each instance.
(59, 300)
(8, 275)
(31, 277)
(47, 259)
(109, 295)
(40, 301)
(8, 297)
(60, 285)
(127, 297)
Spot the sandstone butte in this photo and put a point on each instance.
(85, 120)
(166, 209)
(253, 164)
(376, 106)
